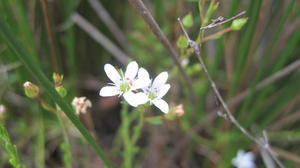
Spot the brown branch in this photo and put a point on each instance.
(213, 24)
(148, 18)
(241, 96)
(261, 142)
(217, 34)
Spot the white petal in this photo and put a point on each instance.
(161, 104)
(140, 84)
(163, 90)
(143, 74)
(131, 70)
(160, 80)
(135, 99)
(143, 80)
(249, 156)
(109, 91)
(112, 73)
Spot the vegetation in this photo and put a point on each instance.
(233, 68)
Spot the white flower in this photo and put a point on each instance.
(244, 160)
(126, 84)
(157, 90)
(81, 104)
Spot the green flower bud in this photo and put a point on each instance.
(31, 90)
(182, 42)
(237, 24)
(61, 91)
(187, 20)
(57, 78)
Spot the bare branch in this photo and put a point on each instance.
(263, 142)
(148, 18)
(220, 20)
(100, 38)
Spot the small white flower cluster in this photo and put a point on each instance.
(244, 160)
(81, 104)
(136, 86)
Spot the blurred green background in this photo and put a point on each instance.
(262, 59)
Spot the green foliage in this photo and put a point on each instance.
(34, 69)
(10, 148)
(240, 55)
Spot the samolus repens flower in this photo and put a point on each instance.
(244, 160)
(156, 90)
(125, 84)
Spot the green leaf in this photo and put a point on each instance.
(187, 20)
(182, 42)
(25, 58)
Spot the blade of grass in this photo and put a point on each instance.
(22, 54)
(245, 44)
(266, 58)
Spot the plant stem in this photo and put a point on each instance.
(125, 126)
(148, 18)
(261, 143)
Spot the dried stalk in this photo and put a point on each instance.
(219, 22)
(148, 18)
(263, 142)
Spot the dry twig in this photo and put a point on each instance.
(262, 142)
(148, 18)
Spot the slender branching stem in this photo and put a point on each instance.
(264, 144)
(156, 30)
(214, 24)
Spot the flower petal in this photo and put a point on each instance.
(143, 74)
(107, 91)
(163, 90)
(161, 104)
(112, 73)
(160, 80)
(135, 99)
(131, 70)
(143, 80)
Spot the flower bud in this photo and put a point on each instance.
(187, 20)
(81, 104)
(179, 111)
(237, 24)
(57, 78)
(31, 90)
(182, 42)
(61, 91)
